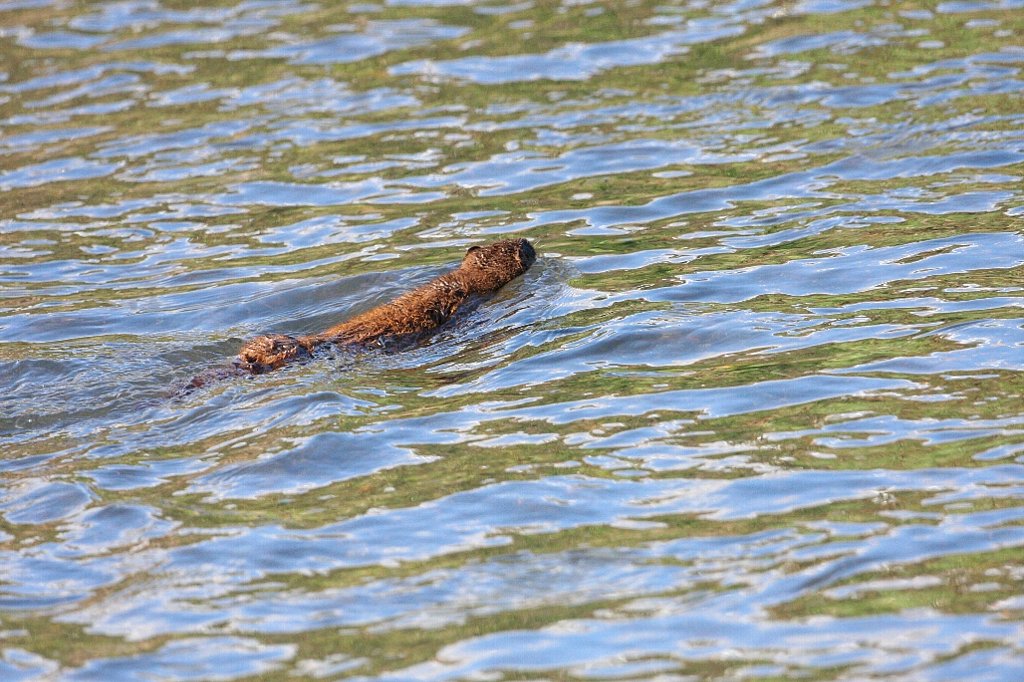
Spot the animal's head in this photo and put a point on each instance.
(268, 352)
(493, 266)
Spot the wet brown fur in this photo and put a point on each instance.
(483, 270)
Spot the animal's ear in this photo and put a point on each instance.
(472, 249)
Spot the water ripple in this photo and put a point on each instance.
(754, 412)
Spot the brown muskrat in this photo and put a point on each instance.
(484, 270)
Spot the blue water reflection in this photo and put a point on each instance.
(755, 411)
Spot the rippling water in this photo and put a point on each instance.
(755, 413)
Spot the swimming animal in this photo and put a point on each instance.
(483, 270)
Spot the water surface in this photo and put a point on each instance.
(757, 412)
